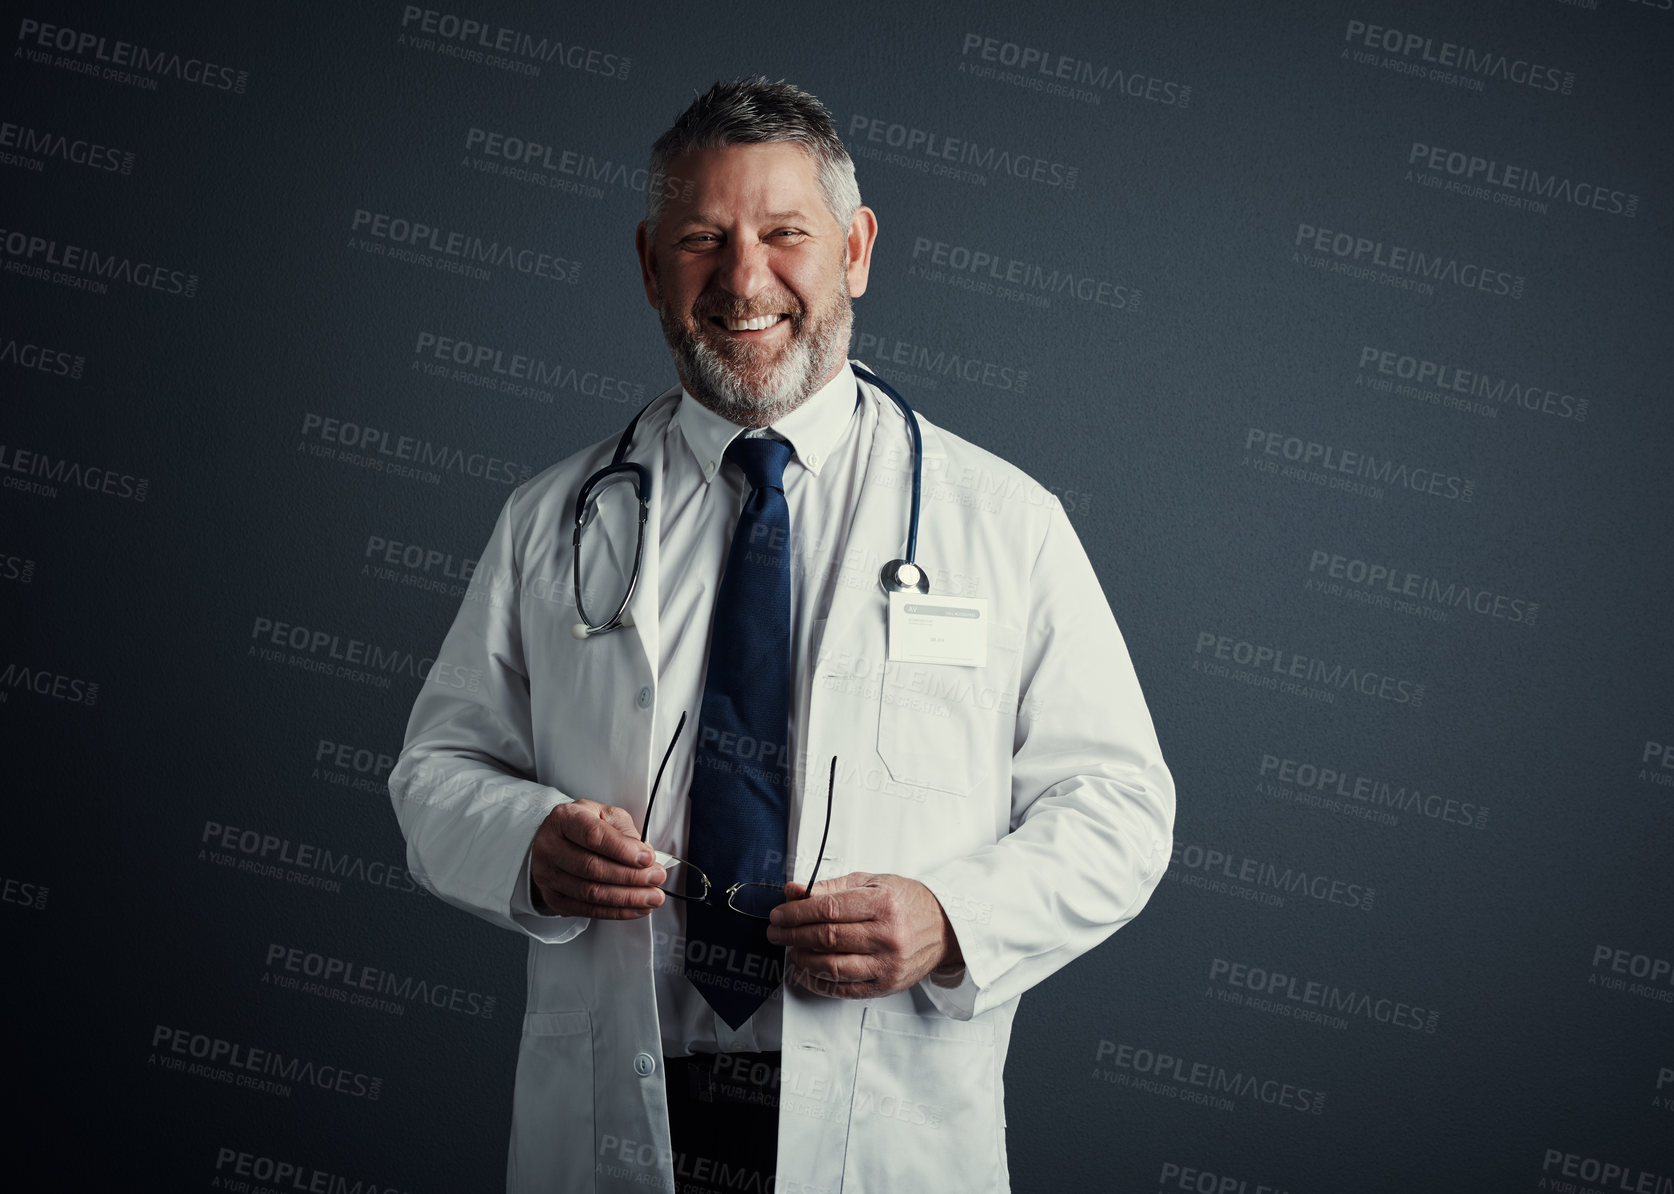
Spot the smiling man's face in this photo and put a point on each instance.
(752, 278)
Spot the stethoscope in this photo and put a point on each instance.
(898, 576)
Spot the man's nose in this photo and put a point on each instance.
(744, 269)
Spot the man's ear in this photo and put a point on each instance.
(647, 265)
(863, 234)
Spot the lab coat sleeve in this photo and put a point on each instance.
(1092, 803)
(463, 788)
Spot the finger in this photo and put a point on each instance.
(828, 936)
(619, 819)
(565, 856)
(844, 905)
(796, 891)
(839, 975)
(597, 833)
(609, 895)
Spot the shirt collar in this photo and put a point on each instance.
(813, 429)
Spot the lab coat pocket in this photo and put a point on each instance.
(552, 1104)
(948, 728)
(926, 1110)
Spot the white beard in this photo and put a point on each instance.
(738, 389)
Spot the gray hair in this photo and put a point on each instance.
(754, 112)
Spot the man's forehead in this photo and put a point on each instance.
(770, 182)
(705, 216)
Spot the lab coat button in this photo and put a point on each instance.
(644, 1065)
(644, 697)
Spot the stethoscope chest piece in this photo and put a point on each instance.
(901, 577)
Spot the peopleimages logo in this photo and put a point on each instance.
(383, 451)
(1325, 784)
(428, 569)
(82, 268)
(356, 983)
(1449, 62)
(1312, 1000)
(1630, 973)
(1368, 259)
(305, 864)
(1267, 665)
(415, 241)
(1223, 871)
(73, 690)
(1389, 585)
(985, 271)
(938, 154)
(570, 171)
(322, 650)
(1657, 763)
(1149, 1070)
(61, 470)
(250, 1066)
(39, 358)
(932, 364)
(1191, 1179)
(1599, 1175)
(231, 1163)
(522, 374)
(32, 896)
(1391, 371)
(1327, 464)
(1512, 185)
(453, 36)
(356, 767)
(32, 148)
(21, 569)
(82, 52)
(1035, 69)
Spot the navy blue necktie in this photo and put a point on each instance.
(740, 794)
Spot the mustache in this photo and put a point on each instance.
(722, 307)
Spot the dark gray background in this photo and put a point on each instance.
(1138, 419)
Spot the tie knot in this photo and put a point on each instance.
(762, 460)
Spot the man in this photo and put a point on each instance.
(990, 816)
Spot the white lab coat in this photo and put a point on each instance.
(1029, 795)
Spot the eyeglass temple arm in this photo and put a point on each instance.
(830, 788)
(667, 755)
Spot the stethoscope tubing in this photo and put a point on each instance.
(620, 465)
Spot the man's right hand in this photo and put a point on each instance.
(587, 860)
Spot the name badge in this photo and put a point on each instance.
(951, 630)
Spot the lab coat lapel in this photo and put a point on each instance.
(879, 531)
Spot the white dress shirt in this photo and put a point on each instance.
(701, 497)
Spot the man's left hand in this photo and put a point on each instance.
(860, 936)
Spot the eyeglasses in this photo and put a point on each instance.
(686, 881)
